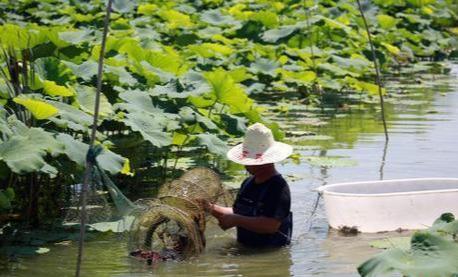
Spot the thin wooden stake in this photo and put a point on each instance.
(377, 69)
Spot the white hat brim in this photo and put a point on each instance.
(276, 153)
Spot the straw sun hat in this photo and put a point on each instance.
(259, 147)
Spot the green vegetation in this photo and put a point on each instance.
(433, 252)
(181, 79)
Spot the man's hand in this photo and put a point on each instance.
(227, 220)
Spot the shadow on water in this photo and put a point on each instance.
(334, 145)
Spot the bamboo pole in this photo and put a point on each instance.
(89, 164)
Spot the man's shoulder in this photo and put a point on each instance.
(278, 180)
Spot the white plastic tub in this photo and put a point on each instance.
(388, 205)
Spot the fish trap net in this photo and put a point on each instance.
(172, 226)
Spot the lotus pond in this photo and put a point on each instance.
(344, 146)
(181, 81)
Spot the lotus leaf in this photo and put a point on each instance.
(76, 151)
(76, 37)
(86, 99)
(429, 255)
(214, 17)
(39, 109)
(150, 127)
(213, 143)
(53, 89)
(86, 70)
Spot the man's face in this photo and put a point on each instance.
(255, 169)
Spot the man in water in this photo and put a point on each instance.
(261, 212)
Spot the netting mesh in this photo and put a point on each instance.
(98, 208)
(174, 223)
(170, 226)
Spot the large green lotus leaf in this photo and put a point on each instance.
(429, 255)
(267, 18)
(336, 70)
(211, 50)
(446, 226)
(274, 35)
(234, 125)
(123, 6)
(20, 37)
(169, 62)
(150, 127)
(359, 64)
(123, 76)
(71, 117)
(214, 144)
(191, 84)
(228, 92)
(301, 77)
(86, 99)
(85, 71)
(264, 66)
(5, 129)
(77, 150)
(386, 22)
(50, 68)
(39, 109)
(21, 155)
(147, 9)
(191, 116)
(51, 88)
(150, 72)
(138, 101)
(215, 17)
(176, 19)
(76, 37)
(420, 3)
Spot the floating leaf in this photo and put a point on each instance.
(330, 161)
(388, 243)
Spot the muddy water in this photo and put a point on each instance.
(423, 120)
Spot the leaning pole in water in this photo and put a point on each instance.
(377, 69)
(89, 162)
